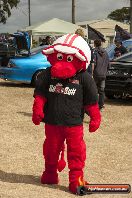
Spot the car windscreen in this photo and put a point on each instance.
(128, 45)
(110, 51)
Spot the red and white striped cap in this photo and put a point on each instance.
(71, 44)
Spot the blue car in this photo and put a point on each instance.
(110, 49)
(19, 63)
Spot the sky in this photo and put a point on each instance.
(43, 10)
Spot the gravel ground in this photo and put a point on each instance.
(109, 150)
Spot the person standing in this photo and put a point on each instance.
(91, 65)
(46, 41)
(81, 33)
(101, 64)
(120, 49)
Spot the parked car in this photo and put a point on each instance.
(119, 77)
(19, 63)
(126, 43)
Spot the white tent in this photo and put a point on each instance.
(53, 27)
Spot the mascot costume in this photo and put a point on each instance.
(62, 94)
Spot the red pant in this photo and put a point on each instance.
(76, 151)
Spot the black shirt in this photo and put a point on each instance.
(66, 98)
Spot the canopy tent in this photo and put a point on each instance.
(53, 27)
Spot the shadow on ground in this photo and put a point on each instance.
(119, 101)
(13, 84)
(25, 113)
(27, 179)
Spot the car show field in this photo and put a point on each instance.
(109, 150)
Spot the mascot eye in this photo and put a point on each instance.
(59, 56)
(69, 58)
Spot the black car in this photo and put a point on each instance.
(119, 77)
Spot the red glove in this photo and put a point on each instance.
(95, 116)
(38, 107)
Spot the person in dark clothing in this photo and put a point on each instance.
(100, 69)
(91, 65)
(42, 43)
(120, 49)
(46, 41)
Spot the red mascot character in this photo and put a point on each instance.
(62, 94)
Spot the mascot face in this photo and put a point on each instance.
(64, 65)
(68, 55)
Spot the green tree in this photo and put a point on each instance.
(122, 15)
(5, 9)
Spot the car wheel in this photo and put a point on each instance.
(118, 96)
(35, 77)
(109, 95)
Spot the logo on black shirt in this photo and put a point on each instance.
(58, 88)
